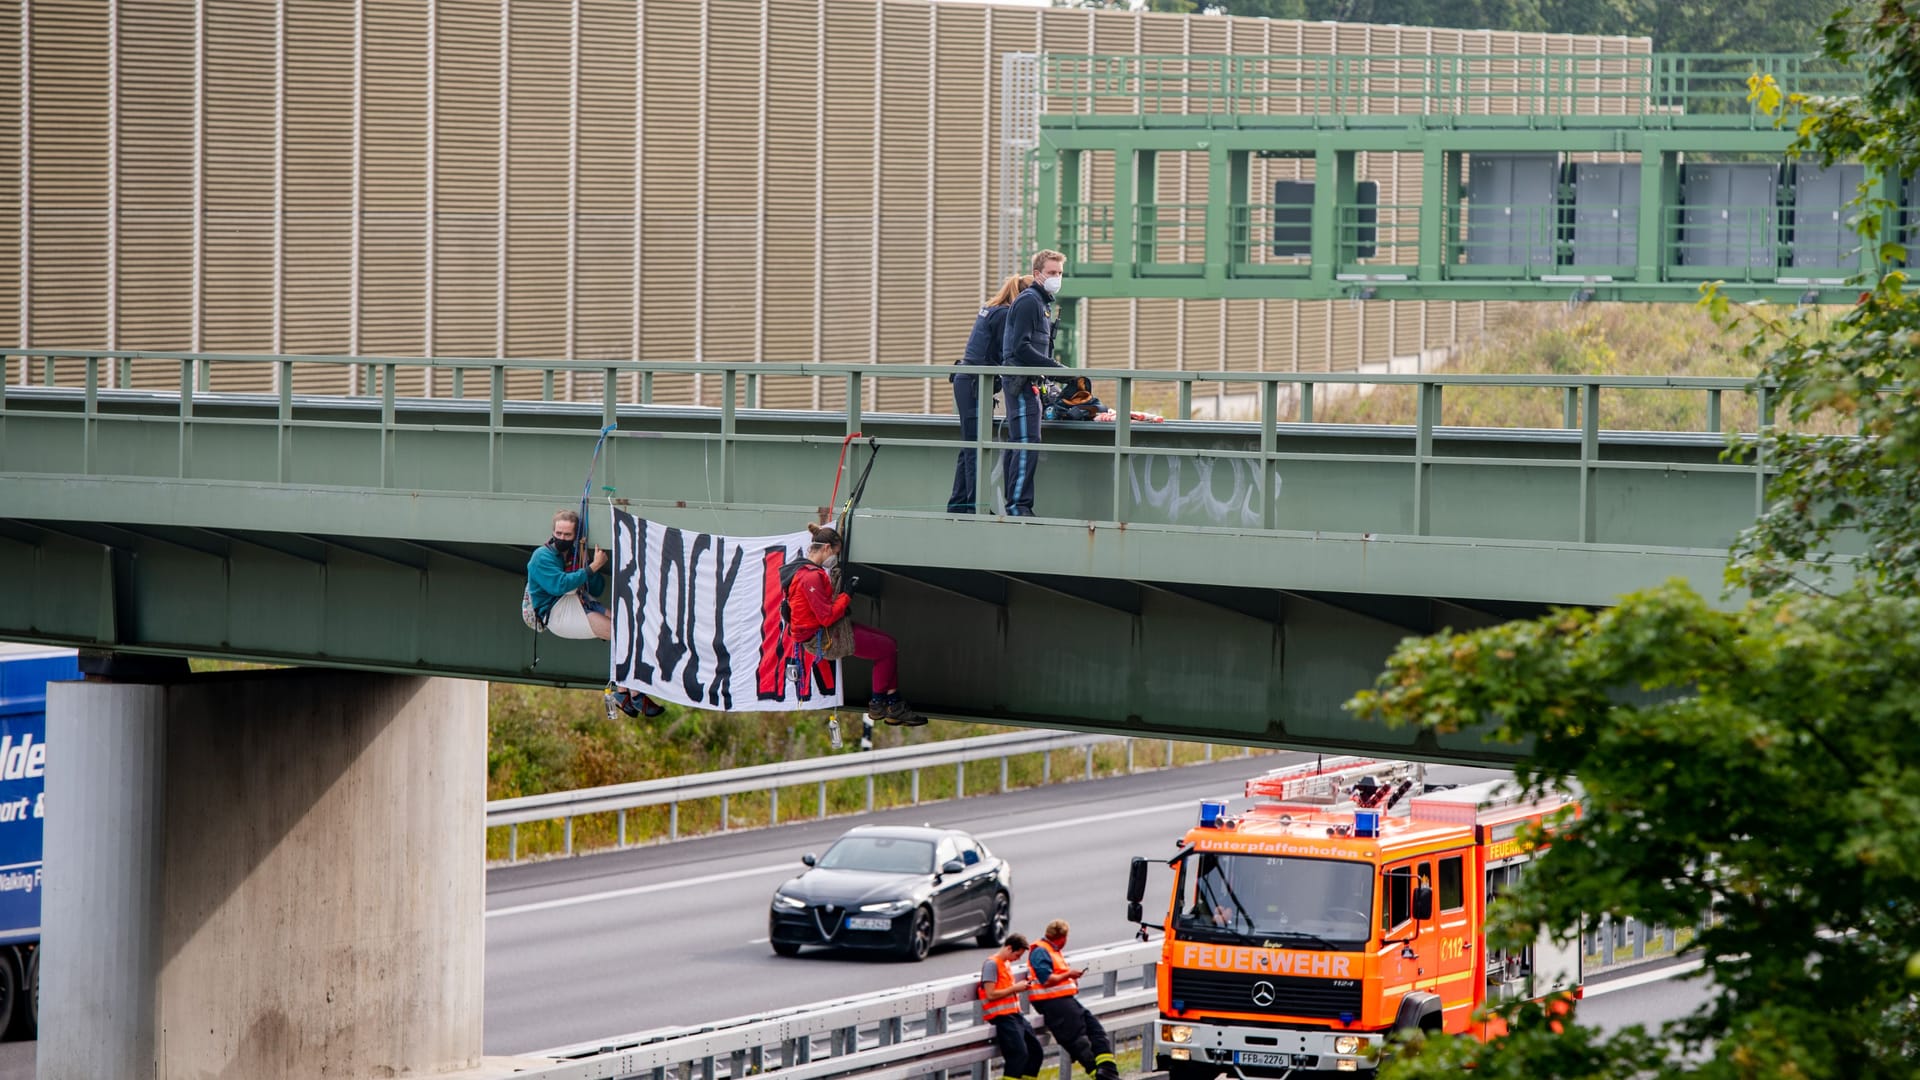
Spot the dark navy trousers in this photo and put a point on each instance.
(1023, 426)
(966, 394)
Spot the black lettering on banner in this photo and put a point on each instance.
(690, 618)
(721, 692)
(629, 593)
(669, 646)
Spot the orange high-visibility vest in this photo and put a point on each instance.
(1066, 988)
(1008, 1003)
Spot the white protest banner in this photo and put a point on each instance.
(696, 620)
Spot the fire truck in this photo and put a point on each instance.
(1347, 906)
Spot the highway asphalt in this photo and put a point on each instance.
(604, 945)
(609, 944)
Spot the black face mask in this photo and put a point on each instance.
(559, 545)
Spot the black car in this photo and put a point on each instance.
(895, 888)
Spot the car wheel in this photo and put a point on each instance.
(785, 948)
(920, 938)
(996, 929)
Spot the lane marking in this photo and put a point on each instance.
(787, 867)
(758, 940)
(1628, 982)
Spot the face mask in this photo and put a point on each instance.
(1051, 284)
(832, 561)
(557, 544)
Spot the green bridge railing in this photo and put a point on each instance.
(620, 395)
(1619, 90)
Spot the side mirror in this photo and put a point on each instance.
(1136, 885)
(1422, 903)
(808, 859)
(954, 866)
(1136, 913)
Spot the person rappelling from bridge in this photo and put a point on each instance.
(561, 586)
(1055, 996)
(817, 614)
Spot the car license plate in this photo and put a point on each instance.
(1261, 1057)
(863, 922)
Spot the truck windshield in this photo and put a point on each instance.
(1295, 902)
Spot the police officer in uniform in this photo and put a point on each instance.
(1055, 996)
(1000, 1006)
(1027, 341)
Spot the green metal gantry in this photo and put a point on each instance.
(1686, 183)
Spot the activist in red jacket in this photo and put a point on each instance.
(813, 605)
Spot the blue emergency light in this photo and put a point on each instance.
(1366, 823)
(1212, 813)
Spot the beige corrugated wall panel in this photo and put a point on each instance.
(961, 67)
(466, 178)
(1311, 334)
(539, 72)
(793, 128)
(852, 145)
(239, 185)
(10, 183)
(729, 324)
(670, 89)
(155, 183)
(393, 196)
(603, 270)
(319, 187)
(905, 130)
(68, 287)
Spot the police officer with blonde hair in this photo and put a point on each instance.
(1055, 996)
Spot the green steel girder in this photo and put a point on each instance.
(1227, 109)
(1164, 592)
(1176, 667)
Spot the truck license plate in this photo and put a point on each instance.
(1261, 1057)
(857, 922)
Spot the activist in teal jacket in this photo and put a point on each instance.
(550, 577)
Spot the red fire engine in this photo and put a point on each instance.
(1347, 905)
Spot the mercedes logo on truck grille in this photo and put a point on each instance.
(1263, 993)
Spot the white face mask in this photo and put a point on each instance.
(1051, 284)
(832, 561)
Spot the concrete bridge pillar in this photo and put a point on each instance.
(264, 874)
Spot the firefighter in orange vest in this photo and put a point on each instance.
(1054, 996)
(1000, 1006)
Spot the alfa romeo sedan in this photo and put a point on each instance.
(900, 889)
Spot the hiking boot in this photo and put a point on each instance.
(900, 714)
(622, 700)
(650, 708)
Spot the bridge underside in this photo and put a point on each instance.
(1189, 646)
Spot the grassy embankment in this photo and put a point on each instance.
(1594, 339)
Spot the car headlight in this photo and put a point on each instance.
(1346, 1044)
(785, 901)
(1176, 1033)
(890, 907)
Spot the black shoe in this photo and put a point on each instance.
(622, 700)
(900, 714)
(650, 708)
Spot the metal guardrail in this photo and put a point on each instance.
(673, 790)
(1616, 89)
(928, 1029)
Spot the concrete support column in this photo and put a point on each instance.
(100, 911)
(296, 880)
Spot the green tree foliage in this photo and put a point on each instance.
(1774, 781)
(1763, 764)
